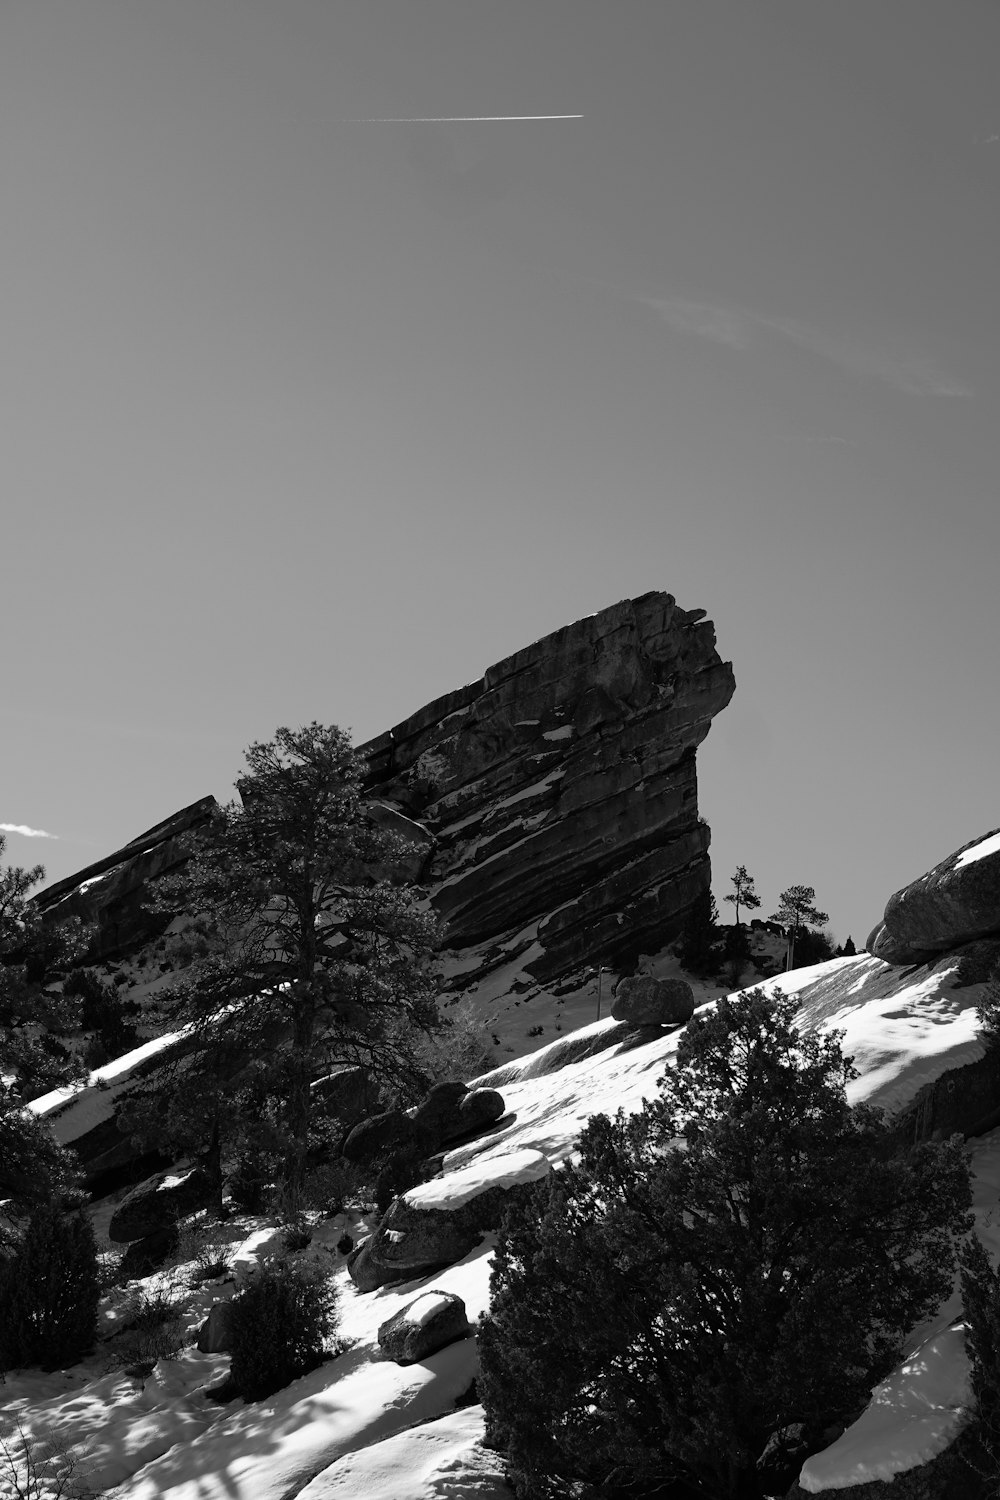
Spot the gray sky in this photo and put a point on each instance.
(303, 417)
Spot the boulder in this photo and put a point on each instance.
(345, 1093)
(645, 1001)
(439, 1222)
(215, 1336)
(954, 903)
(476, 1110)
(379, 1135)
(429, 1323)
(158, 1203)
(435, 1115)
(452, 1110)
(148, 1254)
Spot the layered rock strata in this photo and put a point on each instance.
(113, 893)
(561, 789)
(550, 809)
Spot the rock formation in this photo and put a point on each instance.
(549, 809)
(113, 892)
(957, 902)
(561, 789)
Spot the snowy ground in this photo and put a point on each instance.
(362, 1427)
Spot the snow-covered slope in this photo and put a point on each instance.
(365, 1428)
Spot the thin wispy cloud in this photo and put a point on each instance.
(709, 321)
(454, 119)
(26, 832)
(916, 375)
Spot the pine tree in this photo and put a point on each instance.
(34, 1012)
(981, 1303)
(661, 1312)
(698, 949)
(796, 908)
(314, 961)
(743, 893)
(49, 1291)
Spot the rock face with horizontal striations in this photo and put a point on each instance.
(957, 902)
(561, 789)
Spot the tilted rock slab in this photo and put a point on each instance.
(561, 788)
(158, 1204)
(956, 902)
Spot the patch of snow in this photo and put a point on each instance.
(564, 732)
(442, 1460)
(421, 1311)
(463, 1184)
(534, 789)
(990, 845)
(912, 1416)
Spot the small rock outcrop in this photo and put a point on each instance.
(436, 1224)
(113, 893)
(451, 1111)
(429, 1323)
(215, 1336)
(956, 902)
(158, 1204)
(644, 1001)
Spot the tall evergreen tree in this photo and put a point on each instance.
(797, 909)
(314, 961)
(698, 949)
(743, 893)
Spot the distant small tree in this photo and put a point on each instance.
(811, 948)
(796, 909)
(699, 950)
(743, 893)
(988, 1010)
(846, 950)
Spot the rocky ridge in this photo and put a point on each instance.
(549, 810)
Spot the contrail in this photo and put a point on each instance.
(26, 832)
(453, 119)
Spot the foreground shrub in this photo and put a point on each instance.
(152, 1329)
(49, 1291)
(282, 1321)
(981, 1300)
(661, 1312)
(33, 1469)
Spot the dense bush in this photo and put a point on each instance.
(981, 1300)
(282, 1321)
(49, 1291)
(744, 1254)
(105, 1011)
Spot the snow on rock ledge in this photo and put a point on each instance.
(911, 1418)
